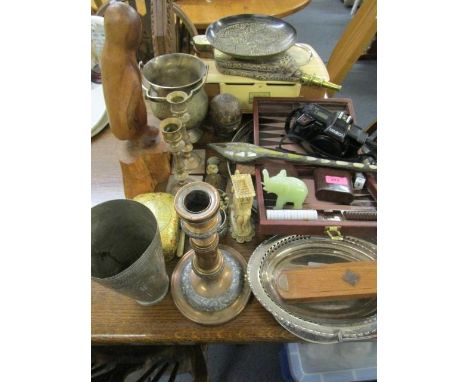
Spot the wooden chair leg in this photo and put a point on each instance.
(355, 39)
(198, 362)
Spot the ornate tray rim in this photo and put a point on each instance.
(304, 329)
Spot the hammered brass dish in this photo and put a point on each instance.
(251, 36)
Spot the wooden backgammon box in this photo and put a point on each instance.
(269, 116)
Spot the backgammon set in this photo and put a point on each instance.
(355, 214)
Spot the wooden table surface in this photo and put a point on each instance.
(117, 319)
(202, 12)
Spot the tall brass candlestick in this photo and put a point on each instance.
(178, 101)
(172, 132)
(208, 283)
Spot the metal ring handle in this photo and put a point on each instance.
(192, 92)
(146, 91)
(150, 97)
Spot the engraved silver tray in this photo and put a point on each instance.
(322, 322)
(251, 36)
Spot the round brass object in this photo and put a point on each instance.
(251, 36)
(177, 72)
(208, 284)
(161, 205)
(225, 114)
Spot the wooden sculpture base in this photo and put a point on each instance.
(144, 168)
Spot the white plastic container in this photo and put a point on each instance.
(340, 362)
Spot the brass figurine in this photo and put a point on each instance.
(213, 176)
(208, 284)
(241, 209)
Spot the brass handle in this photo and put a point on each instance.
(192, 92)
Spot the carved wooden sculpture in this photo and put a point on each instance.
(120, 74)
(125, 105)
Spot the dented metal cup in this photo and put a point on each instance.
(126, 251)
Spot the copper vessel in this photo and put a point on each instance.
(208, 283)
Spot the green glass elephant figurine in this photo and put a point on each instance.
(287, 188)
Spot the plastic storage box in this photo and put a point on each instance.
(341, 362)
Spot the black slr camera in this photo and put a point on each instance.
(332, 135)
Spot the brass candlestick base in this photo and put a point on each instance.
(195, 162)
(195, 134)
(190, 165)
(208, 283)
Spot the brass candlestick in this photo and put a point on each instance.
(178, 103)
(208, 283)
(172, 132)
(192, 159)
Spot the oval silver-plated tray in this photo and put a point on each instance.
(323, 322)
(251, 36)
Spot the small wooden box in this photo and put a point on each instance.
(269, 115)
